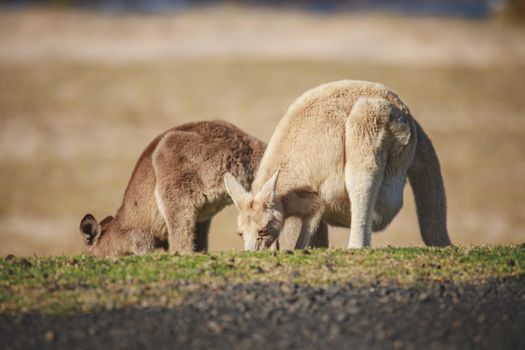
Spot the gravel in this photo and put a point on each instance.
(486, 315)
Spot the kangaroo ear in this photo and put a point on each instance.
(89, 228)
(106, 220)
(267, 193)
(234, 189)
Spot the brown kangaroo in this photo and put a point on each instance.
(175, 190)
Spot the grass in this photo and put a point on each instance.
(84, 283)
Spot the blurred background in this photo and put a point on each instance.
(86, 85)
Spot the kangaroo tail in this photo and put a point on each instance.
(429, 192)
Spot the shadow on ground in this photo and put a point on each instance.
(486, 315)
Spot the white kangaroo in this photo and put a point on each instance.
(342, 154)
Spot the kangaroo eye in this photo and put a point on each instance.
(240, 234)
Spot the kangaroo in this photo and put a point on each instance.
(175, 190)
(341, 154)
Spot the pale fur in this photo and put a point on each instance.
(175, 190)
(343, 151)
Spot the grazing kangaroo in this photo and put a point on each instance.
(341, 154)
(175, 190)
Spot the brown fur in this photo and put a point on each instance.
(175, 190)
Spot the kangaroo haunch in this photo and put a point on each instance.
(341, 154)
(175, 190)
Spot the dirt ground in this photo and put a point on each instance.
(490, 315)
(82, 93)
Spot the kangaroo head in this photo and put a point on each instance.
(260, 214)
(94, 233)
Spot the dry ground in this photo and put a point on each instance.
(81, 94)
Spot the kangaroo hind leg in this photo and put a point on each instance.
(369, 141)
(175, 188)
(320, 239)
(201, 235)
(389, 202)
(180, 222)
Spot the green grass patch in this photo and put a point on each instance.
(84, 283)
